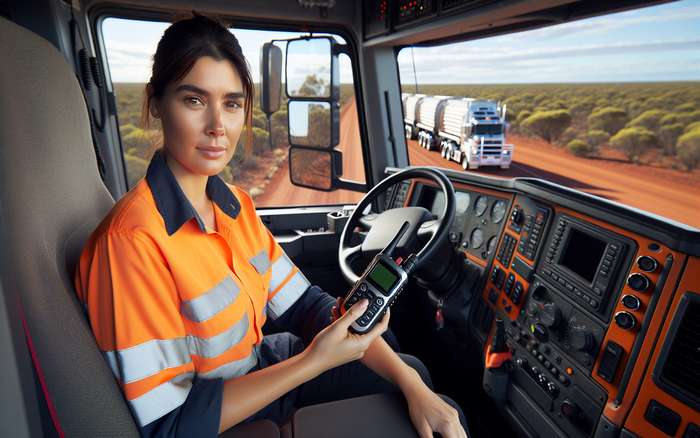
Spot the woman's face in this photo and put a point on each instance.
(202, 116)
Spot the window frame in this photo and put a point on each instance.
(100, 13)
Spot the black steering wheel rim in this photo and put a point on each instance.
(444, 220)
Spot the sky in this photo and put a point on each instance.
(659, 43)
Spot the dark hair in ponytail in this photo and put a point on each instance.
(181, 45)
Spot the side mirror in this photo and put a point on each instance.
(314, 168)
(312, 69)
(271, 78)
(313, 123)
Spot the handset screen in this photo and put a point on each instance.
(383, 278)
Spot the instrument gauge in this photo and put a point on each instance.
(492, 244)
(476, 239)
(498, 211)
(481, 205)
(462, 202)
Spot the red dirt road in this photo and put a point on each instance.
(281, 192)
(669, 193)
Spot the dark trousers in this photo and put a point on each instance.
(350, 380)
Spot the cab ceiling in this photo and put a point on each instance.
(493, 18)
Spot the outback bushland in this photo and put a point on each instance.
(647, 123)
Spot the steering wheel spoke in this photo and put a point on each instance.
(428, 228)
(380, 228)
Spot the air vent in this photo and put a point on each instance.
(466, 4)
(680, 358)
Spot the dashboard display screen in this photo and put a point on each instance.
(383, 278)
(582, 254)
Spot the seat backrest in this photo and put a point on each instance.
(51, 198)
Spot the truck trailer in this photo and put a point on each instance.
(428, 116)
(411, 103)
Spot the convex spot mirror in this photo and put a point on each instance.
(313, 123)
(314, 168)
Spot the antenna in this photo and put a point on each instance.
(395, 241)
(415, 78)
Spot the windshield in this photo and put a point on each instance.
(608, 105)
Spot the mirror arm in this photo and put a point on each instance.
(339, 183)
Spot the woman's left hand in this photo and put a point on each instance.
(429, 413)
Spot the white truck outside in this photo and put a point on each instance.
(472, 132)
(411, 103)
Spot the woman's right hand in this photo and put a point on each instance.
(336, 344)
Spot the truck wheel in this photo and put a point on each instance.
(505, 167)
(465, 163)
(443, 153)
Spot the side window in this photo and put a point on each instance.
(608, 105)
(130, 45)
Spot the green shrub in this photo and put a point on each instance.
(260, 121)
(669, 119)
(668, 136)
(596, 137)
(569, 134)
(633, 142)
(580, 148)
(691, 127)
(548, 124)
(522, 115)
(648, 119)
(609, 119)
(139, 139)
(688, 149)
(260, 141)
(688, 118)
(687, 107)
(135, 168)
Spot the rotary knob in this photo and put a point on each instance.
(550, 315)
(638, 282)
(581, 339)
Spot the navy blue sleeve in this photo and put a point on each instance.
(309, 315)
(199, 416)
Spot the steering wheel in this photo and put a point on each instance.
(383, 227)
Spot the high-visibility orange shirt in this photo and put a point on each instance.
(171, 301)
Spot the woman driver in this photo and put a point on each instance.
(181, 275)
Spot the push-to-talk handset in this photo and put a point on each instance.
(380, 284)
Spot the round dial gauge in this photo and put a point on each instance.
(498, 211)
(481, 204)
(492, 244)
(462, 202)
(476, 239)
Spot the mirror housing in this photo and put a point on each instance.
(271, 78)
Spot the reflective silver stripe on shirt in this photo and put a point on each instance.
(288, 295)
(234, 368)
(210, 303)
(261, 262)
(161, 399)
(147, 359)
(281, 268)
(216, 345)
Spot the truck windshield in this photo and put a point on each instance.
(488, 130)
(608, 105)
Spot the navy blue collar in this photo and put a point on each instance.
(172, 203)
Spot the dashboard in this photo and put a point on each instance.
(595, 297)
